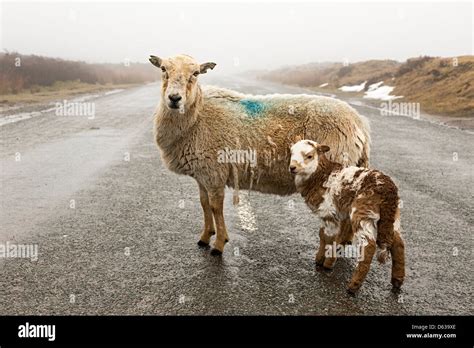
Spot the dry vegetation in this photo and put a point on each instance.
(335, 74)
(30, 78)
(58, 91)
(437, 84)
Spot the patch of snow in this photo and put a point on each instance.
(375, 85)
(114, 91)
(355, 88)
(324, 84)
(27, 115)
(380, 92)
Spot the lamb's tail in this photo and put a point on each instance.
(389, 215)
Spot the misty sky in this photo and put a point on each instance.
(238, 36)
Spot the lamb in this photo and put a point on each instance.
(364, 199)
(199, 130)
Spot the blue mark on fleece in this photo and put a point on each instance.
(252, 107)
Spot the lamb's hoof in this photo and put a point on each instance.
(203, 244)
(320, 262)
(216, 252)
(351, 291)
(396, 284)
(328, 267)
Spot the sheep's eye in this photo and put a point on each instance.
(163, 69)
(196, 73)
(310, 157)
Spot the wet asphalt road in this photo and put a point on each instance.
(117, 232)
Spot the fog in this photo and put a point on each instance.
(238, 36)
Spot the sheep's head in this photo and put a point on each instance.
(305, 155)
(179, 80)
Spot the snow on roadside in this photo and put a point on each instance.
(324, 84)
(355, 88)
(377, 91)
(375, 85)
(12, 118)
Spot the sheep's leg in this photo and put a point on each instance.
(322, 248)
(366, 236)
(209, 228)
(331, 230)
(397, 252)
(216, 199)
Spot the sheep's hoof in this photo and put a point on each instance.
(203, 244)
(216, 252)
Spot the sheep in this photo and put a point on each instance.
(199, 131)
(364, 199)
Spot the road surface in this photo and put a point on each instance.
(116, 232)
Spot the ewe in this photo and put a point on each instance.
(199, 132)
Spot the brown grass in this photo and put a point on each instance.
(439, 86)
(21, 73)
(435, 83)
(58, 91)
(335, 74)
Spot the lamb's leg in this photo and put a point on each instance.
(216, 199)
(397, 252)
(331, 230)
(209, 228)
(366, 235)
(345, 234)
(322, 248)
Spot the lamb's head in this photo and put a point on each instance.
(179, 88)
(305, 156)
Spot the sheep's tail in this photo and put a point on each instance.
(235, 196)
(363, 137)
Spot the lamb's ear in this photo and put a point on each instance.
(323, 148)
(156, 61)
(206, 66)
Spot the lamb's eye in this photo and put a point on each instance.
(163, 69)
(310, 157)
(196, 73)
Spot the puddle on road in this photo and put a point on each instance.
(248, 221)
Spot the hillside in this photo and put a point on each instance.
(31, 78)
(439, 84)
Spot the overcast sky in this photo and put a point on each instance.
(238, 35)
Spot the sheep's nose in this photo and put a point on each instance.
(292, 168)
(175, 98)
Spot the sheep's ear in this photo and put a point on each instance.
(205, 66)
(156, 61)
(323, 148)
(294, 141)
